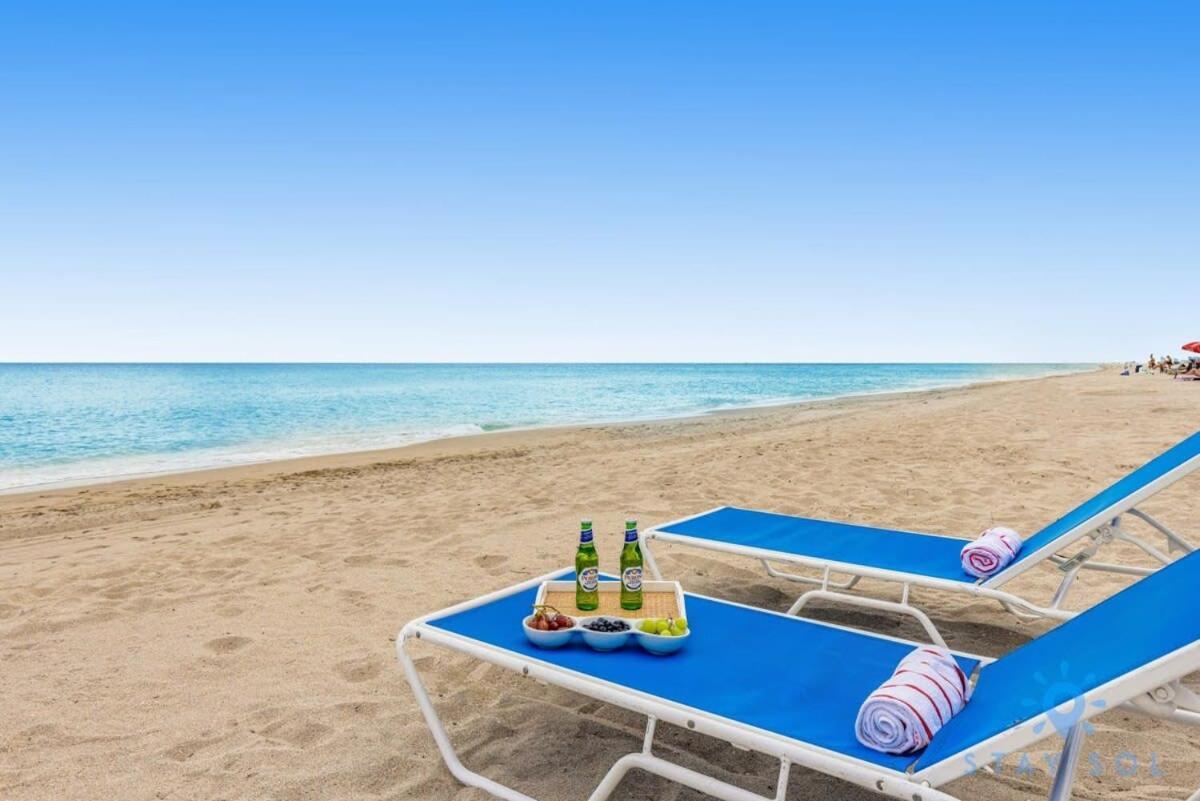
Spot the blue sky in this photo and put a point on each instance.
(688, 181)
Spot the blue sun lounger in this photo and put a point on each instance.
(846, 553)
(790, 688)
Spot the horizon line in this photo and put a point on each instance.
(506, 363)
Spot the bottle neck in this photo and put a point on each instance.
(585, 538)
(631, 535)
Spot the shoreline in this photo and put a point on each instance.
(420, 441)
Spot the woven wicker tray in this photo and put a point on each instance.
(659, 599)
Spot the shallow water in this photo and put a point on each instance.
(68, 423)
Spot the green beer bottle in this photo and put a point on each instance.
(587, 570)
(631, 568)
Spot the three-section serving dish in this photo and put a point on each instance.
(609, 627)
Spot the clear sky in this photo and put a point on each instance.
(692, 181)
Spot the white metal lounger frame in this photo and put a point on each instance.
(1149, 682)
(1103, 528)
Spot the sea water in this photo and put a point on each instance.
(73, 423)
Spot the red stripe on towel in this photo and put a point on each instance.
(962, 677)
(936, 683)
(924, 725)
(928, 697)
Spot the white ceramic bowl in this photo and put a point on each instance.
(662, 644)
(547, 639)
(604, 640)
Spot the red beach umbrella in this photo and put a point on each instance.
(1194, 347)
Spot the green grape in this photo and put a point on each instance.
(681, 622)
(649, 626)
(662, 627)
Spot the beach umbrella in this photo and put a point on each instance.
(1194, 347)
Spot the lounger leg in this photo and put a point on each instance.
(1103, 535)
(645, 760)
(672, 772)
(1060, 594)
(1174, 541)
(1019, 613)
(715, 788)
(901, 608)
(1172, 701)
(649, 557)
(1080, 561)
(1121, 534)
(1113, 530)
(1064, 777)
(460, 771)
(774, 572)
(1108, 567)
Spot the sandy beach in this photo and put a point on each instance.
(229, 634)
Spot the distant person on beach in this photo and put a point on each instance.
(1151, 364)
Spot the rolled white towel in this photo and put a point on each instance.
(925, 691)
(991, 552)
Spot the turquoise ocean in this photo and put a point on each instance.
(73, 423)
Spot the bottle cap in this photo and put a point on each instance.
(585, 523)
(630, 524)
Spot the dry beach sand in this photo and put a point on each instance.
(229, 634)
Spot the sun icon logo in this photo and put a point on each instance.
(1063, 701)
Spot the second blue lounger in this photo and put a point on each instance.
(930, 560)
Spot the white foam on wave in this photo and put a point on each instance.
(117, 468)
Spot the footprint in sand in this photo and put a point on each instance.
(299, 733)
(357, 670)
(227, 645)
(44, 734)
(187, 749)
(357, 599)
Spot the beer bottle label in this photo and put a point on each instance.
(589, 579)
(631, 577)
(585, 536)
